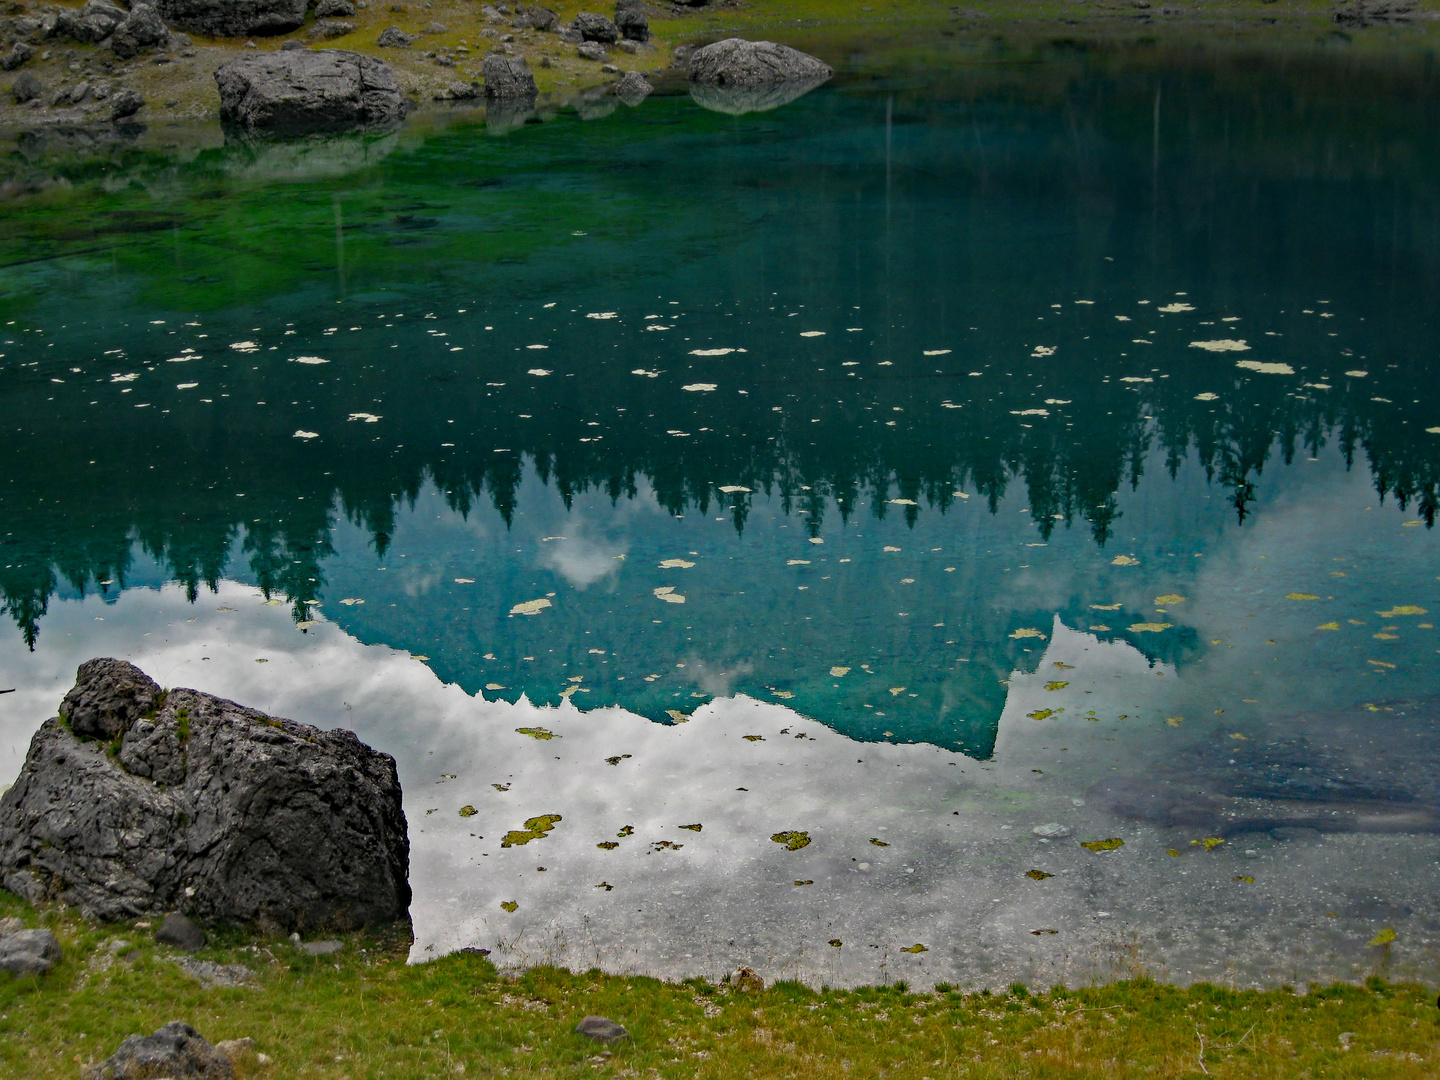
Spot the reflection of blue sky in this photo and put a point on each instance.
(957, 831)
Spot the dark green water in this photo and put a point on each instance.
(886, 380)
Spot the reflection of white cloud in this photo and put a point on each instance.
(581, 562)
(956, 833)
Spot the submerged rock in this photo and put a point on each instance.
(736, 62)
(203, 805)
(176, 1050)
(234, 18)
(633, 88)
(508, 77)
(738, 100)
(307, 91)
(28, 952)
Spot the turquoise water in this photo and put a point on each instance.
(869, 407)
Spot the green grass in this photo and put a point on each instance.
(366, 1013)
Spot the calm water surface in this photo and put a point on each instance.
(798, 508)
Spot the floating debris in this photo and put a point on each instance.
(1103, 845)
(530, 607)
(608, 845)
(1041, 714)
(1124, 560)
(878, 842)
(535, 829)
(1221, 345)
(1028, 632)
(1301, 596)
(675, 564)
(540, 733)
(616, 759)
(1057, 685)
(1168, 599)
(1037, 875)
(1148, 627)
(1264, 368)
(468, 811)
(669, 595)
(1403, 609)
(792, 839)
(693, 828)
(839, 672)
(509, 905)
(916, 948)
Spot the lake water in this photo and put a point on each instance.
(745, 531)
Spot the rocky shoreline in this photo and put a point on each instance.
(155, 62)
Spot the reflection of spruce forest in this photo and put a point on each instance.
(996, 201)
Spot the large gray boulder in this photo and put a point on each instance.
(592, 27)
(234, 18)
(142, 29)
(736, 62)
(176, 1051)
(196, 804)
(307, 91)
(508, 77)
(28, 952)
(91, 24)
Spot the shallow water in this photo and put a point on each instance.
(1038, 439)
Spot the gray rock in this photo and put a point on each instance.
(601, 1029)
(144, 29)
(591, 50)
(91, 24)
(736, 62)
(124, 103)
(334, 9)
(536, 18)
(176, 1051)
(230, 814)
(18, 54)
(631, 20)
(459, 91)
(26, 88)
(633, 88)
(508, 77)
(234, 18)
(320, 948)
(175, 929)
(392, 37)
(1051, 831)
(292, 44)
(210, 974)
(328, 30)
(11, 924)
(28, 952)
(236, 1049)
(107, 698)
(592, 27)
(312, 90)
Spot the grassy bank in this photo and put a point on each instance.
(366, 1013)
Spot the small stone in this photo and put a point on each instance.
(392, 37)
(601, 1029)
(746, 981)
(292, 45)
(591, 50)
(125, 103)
(10, 925)
(321, 948)
(210, 974)
(26, 88)
(175, 929)
(236, 1049)
(1051, 830)
(175, 1050)
(118, 945)
(628, 47)
(18, 54)
(28, 952)
(610, 69)
(334, 9)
